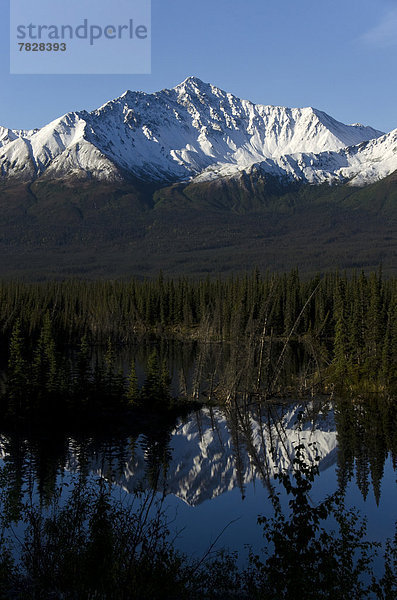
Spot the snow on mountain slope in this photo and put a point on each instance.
(370, 161)
(58, 149)
(190, 130)
(9, 135)
(359, 165)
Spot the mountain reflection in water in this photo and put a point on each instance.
(229, 455)
(215, 451)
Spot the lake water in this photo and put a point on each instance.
(216, 467)
(213, 471)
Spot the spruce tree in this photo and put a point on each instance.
(17, 382)
(340, 361)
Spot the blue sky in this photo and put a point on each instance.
(337, 56)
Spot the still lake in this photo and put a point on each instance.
(214, 468)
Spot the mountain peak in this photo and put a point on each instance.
(192, 85)
(191, 81)
(126, 93)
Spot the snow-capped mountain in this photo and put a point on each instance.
(195, 130)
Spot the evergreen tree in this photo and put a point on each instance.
(17, 382)
(340, 361)
(44, 367)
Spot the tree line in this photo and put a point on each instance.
(351, 321)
